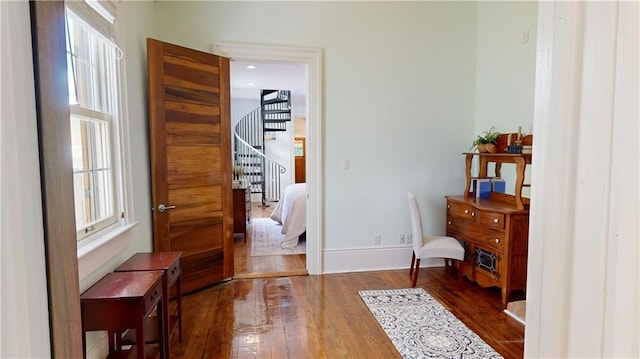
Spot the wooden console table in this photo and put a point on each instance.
(169, 264)
(121, 301)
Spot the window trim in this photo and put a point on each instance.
(98, 252)
(97, 249)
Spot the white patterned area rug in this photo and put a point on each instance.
(266, 237)
(420, 327)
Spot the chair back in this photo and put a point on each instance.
(416, 222)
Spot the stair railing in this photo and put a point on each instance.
(262, 172)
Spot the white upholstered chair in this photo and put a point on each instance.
(431, 246)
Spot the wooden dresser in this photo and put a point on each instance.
(241, 209)
(495, 235)
(494, 231)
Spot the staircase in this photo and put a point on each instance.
(251, 134)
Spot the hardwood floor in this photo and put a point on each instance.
(323, 316)
(272, 309)
(246, 266)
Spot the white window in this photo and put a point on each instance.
(96, 116)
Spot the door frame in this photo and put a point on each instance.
(312, 58)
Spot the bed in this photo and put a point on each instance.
(291, 213)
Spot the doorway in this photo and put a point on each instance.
(310, 58)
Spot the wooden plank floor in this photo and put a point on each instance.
(272, 309)
(323, 316)
(246, 266)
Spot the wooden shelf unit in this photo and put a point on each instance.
(520, 160)
(495, 230)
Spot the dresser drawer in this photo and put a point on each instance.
(490, 238)
(460, 210)
(153, 297)
(490, 219)
(173, 272)
(475, 233)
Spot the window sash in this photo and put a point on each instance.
(94, 89)
(92, 68)
(94, 175)
(100, 14)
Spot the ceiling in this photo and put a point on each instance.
(278, 76)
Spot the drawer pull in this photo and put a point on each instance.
(497, 240)
(495, 220)
(473, 214)
(449, 222)
(448, 206)
(466, 211)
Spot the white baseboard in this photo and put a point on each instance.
(372, 259)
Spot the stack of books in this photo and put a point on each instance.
(482, 187)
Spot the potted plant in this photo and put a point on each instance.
(486, 142)
(238, 172)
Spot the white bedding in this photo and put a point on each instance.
(291, 212)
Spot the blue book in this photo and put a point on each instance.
(483, 188)
(498, 185)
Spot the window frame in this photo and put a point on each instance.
(113, 226)
(98, 225)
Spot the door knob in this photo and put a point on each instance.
(162, 207)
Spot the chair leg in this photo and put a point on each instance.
(413, 259)
(415, 274)
(460, 277)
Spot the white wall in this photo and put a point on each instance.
(23, 292)
(399, 94)
(505, 66)
(241, 107)
(505, 72)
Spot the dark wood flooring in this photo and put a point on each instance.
(273, 310)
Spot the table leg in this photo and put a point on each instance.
(140, 336)
(164, 333)
(179, 300)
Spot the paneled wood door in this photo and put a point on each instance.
(300, 155)
(190, 130)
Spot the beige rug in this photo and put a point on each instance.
(266, 237)
(420, 327)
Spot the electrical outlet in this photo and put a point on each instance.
(408, 237)
(377, 240)
(402, 238)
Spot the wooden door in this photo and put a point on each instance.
(190, 129)
(300, 155)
